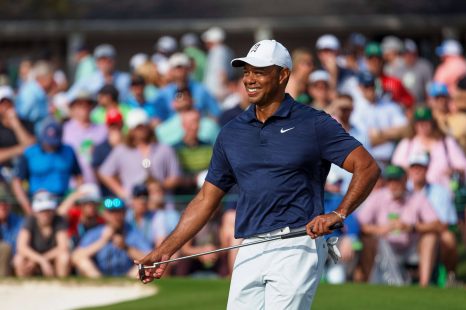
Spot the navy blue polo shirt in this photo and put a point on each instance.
(280, 166)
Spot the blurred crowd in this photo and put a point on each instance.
(96, 167)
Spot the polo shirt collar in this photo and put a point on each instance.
(283, 110)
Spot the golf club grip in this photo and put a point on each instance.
(304, 233)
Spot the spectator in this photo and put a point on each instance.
(139, 216)
(193, 153)
(382, 121)
(24, 71)
(164, 48)
(165, 217)
(389, 85)
(203, 101)
(107, 99)
(392, 47)
(328, 47)
(453, 65)
(319, 89)
(416, 73)
(15, 134)
(218, 62)
(457, 119)
(10, 224)
(106, 74)
(440, 199)
(114, 122)
(302, 67)
(152, 79)
(446, 156)
(47, 165)
(32, 103)
(141, 157)
(171, 131)
(137, 60)
(43, 242)
(81, 210)
(110, 249)
(354, 59)
(81, 134)
(399, 222)
(85, 63)
(238, 104)
(190, 44)
(438, 102)
(137, 98)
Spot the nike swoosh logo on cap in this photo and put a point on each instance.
(285, 130)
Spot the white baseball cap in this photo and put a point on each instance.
(6, 92)
(137, 60)
(319, 75)
(449, 47)
(166, 44)
(214, 34)
(136, 117)
(104, 50)
(420, 158)
(391, 43)
(179, 60)
(43, 200)
(264, 54)
(90, 193)
(328, 42)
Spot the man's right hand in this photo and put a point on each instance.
(151, 274)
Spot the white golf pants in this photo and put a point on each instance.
(280, 274)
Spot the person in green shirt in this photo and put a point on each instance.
(190, 44)
(107, 99)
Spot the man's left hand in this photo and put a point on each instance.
(320, 225)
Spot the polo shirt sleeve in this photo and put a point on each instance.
(110, 166)
(366, 214)
(425, 211)
(334, 142)
(172, 165)
(220, 172)
(91, 236)
(137, 240)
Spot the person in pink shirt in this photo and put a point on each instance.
(446, 156)
(453, 65)
(403, 220)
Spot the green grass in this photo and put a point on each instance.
(212, 294)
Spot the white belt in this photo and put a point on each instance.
(279, 232)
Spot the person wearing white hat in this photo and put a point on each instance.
(280, 178)
(319, 89)
(137, 60)
(43, 243)
(453, 65)
(217, 67)
(164, 48)
(105, 58)
(16, 133)
(191, 47)
(328, 48)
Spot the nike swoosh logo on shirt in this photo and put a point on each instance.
(285, 130)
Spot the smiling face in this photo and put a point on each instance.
(265, 85)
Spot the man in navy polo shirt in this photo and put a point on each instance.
(279, 153)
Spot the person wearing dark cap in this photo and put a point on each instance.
(381, 120)
(85, 63)
(109, 249)
(47, 165)
(390, 85)
(397, 223)
(139, 216)
(137, 97)
(107, 98)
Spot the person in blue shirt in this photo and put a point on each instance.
(109, 250)
(32, 102)
(204, 102)
(137, 97)
(47, 165)
(279, 153)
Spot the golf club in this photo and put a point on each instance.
(295, 234)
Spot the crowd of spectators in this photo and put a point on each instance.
(96, 167)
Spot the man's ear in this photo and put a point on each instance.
(284, 75)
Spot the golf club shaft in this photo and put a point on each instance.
(295, 234)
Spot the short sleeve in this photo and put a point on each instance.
(136, 240)
(110, 164)
(172, 165)
(366, 214)
(60, 223)
(21, 168)
(28, 223)
(334, 142)
(426, 212)
(220, 172)
(91, 236)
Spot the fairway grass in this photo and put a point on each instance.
(195, 294)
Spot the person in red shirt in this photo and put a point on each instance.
(81, 210)
(388, 84)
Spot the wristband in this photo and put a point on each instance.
(343, 217)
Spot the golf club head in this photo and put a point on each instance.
(142, 274)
